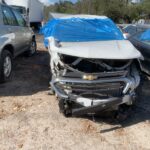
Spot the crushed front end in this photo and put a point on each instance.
(87, 86)
(93, 67)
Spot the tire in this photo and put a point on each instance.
(123, 113)
(64, 108)
(33, 48)
(6, 62)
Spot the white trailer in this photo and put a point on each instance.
(32, 10)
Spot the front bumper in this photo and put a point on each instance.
(105, 105)
(93, 104)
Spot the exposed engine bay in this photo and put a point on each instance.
(95, 65)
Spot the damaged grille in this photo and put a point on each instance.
(94, 91)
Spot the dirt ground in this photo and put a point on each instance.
(30, 118)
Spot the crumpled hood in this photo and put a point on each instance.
(116, 49)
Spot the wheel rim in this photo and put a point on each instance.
(33, 47)
(7, 66)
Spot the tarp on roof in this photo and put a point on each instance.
(81, 30)
(145, 36)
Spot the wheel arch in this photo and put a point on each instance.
(34, 37)
(10, 48)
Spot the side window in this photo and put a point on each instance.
(8, 16)
(19, 18)
(5, 20)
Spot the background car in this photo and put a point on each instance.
(139, 36)
(15, 38)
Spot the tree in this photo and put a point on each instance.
(146, 8)
(117, 10)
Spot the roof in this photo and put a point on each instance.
(58, 15)
(83, 16)
(68, 16)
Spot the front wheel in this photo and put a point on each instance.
(65, 107)
(5, 66)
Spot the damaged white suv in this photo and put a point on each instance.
(93, 67)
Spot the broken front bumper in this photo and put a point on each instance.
(108, 104)
(89, 93)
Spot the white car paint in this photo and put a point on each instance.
(116, 49)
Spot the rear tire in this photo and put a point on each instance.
(33, 48)
(6, 62)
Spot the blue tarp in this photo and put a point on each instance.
(145, 36)
(81, 30)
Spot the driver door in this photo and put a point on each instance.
(13, 32)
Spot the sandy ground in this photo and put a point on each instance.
(30, 118)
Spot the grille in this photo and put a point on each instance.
(103, 90)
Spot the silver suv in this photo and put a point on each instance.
(15, 38)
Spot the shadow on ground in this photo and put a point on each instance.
(30, 75)
(140, 112)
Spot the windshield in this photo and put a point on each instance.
(143, 36)
(82, 30)
(20, 9)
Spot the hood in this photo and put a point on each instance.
(116, 49)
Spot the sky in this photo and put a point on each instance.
(53, 1)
